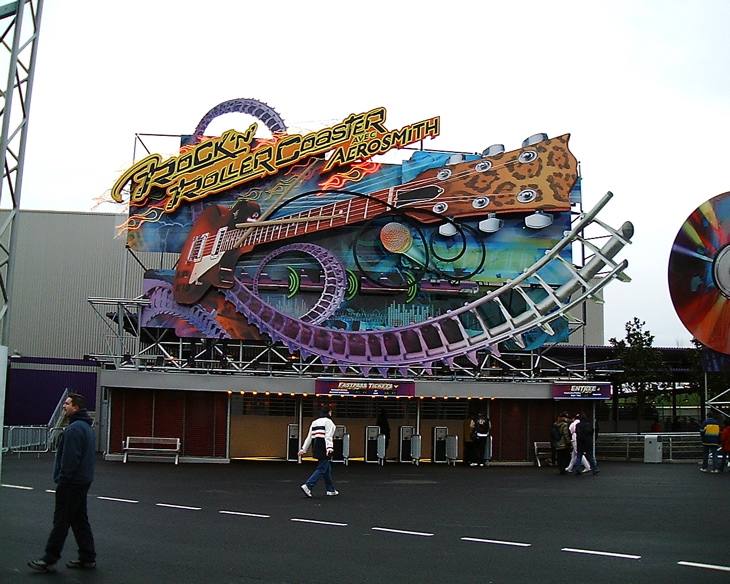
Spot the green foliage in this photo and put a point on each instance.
(644, 370)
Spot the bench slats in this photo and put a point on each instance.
(151, 445)
(543, 450)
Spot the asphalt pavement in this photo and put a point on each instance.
(249, 522)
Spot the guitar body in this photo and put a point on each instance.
(209, 254)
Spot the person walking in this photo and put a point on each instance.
(710, 434)
(320, 438)
(73, 472)
(574, 439)
(584, 433)
(560, 439)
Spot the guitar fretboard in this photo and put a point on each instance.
(312, 220)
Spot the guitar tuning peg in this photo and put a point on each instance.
(447, 230)
(493, 150)
(491, 224)
(534, 139)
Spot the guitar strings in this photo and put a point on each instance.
(255, 232)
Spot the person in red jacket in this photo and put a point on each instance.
(725, 444)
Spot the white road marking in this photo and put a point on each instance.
(50, 491)
(244, 514)
(403, 532)
(320, 522)
(496, 541)
(178, 507)
(117, 500)
(597, 553)
(706, 566)
(22, 488)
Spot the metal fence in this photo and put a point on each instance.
(675, 446)
(18, 439)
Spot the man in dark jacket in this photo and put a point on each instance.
(73, 472)
(584, 433)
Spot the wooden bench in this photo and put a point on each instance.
(543, 450)
(151, 445)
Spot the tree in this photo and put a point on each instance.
(710, 371)
(643, 369)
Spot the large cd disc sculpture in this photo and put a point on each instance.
(309, 241)
(699, 273)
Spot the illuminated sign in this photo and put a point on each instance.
(373, 388)
(232, 159)
(582, 391)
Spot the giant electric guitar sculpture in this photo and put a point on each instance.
(535, 177)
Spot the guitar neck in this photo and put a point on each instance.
(336, 214)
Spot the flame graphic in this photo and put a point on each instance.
(134, 222)
(357, 172)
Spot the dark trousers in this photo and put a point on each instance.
(563, 455)
(588, 453)
(481, 446)
(71, 512)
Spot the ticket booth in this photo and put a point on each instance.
(292, 443)
(439, 444)
(404, 443)
(371, 443)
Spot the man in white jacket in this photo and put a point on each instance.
(320, 437)
(574, 458)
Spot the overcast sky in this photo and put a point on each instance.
(642, 86)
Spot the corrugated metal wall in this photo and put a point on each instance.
(61, 260)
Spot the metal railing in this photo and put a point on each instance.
(676, 446)
(35, 439)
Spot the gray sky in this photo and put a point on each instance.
(642, 86)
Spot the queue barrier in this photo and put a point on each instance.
(31, 439)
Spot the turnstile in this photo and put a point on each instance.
(415, 449)
(292, 443)
(439, 444)
(452, 448)
(404, 443)
(340, 445)
(371, 443)
(381, 448)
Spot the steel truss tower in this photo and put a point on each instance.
(19, 28)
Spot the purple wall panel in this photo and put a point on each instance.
(32, 394)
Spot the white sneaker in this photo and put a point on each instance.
(307, 490)
(332, 493)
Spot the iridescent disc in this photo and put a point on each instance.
(699, 273)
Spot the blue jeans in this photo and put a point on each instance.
(324, 470)
(708, 449)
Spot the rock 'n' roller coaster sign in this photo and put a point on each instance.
(699, 273)
(306, 240)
